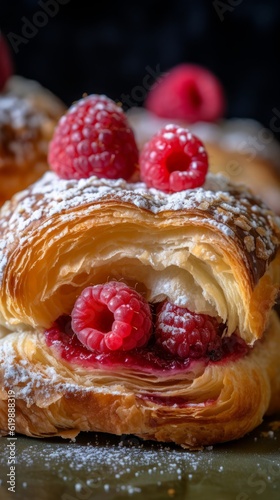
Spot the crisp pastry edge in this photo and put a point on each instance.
(251, 388)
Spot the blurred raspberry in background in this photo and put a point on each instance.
(118, 47)
(6, 64)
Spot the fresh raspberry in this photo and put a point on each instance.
(6, 65)
(111, 317)
(185, 334)
(173, 160)
(187, 92)
(93, 138)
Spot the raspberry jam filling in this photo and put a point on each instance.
(111, 326)
(151, 358)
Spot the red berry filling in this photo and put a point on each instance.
(173, 160)
(151, 358)
(186, 334)
(93, 138)
(111, 317)
(111, 326)
(187, 92)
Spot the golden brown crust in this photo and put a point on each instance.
(214, 250)
(259, 174)
(216, 240)
(51, 403)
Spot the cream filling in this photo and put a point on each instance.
(175, 274)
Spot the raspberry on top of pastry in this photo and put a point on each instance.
(137, 291)
(241, 149)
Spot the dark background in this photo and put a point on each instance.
(107, 49)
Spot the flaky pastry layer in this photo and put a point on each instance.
(224, 400)
(214, 249)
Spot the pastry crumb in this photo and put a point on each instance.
(268, 434)
(171, 492)
(275, 425)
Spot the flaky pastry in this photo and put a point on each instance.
(213, 250)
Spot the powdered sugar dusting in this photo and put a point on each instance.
(218, 203)
(110, 467)
(16, 374)
(102, 466)
(18, 113)
(24, 134)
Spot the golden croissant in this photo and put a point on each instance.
(213, 251)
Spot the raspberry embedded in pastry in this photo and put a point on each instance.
(185, 334)
(213, 251)
(111, 317)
